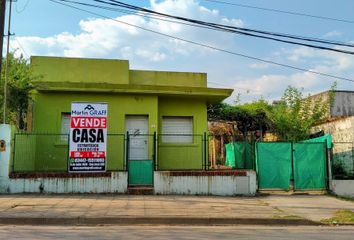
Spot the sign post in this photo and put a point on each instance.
(88, 137)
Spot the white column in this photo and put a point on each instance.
(5, 134)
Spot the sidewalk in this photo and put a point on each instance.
(125, 209)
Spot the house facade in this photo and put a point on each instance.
(163, 115)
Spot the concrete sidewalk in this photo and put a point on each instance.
(125, 209)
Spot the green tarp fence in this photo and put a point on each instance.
(324, 139)
(309, 166)
(277, 163)
(274, 165)
(239, 155)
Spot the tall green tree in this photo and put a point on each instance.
(294, 115)
(19, 85)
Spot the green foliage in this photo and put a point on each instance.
(295, 115)
(19, 86)
(291, 118)
(248, 117)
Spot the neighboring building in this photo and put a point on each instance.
(342, 105)
(171, 104)
(340, 124)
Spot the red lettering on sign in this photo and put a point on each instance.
(88, 122)
(87, 154)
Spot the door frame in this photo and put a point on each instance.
(129, 161)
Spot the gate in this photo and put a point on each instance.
(140, 163)
(309, 166)
(280, 162)
(273, 165)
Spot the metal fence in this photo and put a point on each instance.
(342, 156)
(35, 152)
(231, 152)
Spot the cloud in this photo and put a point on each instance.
(271, 86)
(259, 65)
(334, 33)
(105, 38)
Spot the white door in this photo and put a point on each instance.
(137, 126)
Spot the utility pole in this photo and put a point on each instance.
(2, 27)
(7, 60)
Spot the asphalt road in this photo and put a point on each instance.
(174, 232)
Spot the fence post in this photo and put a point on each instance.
(127, 151)
(205, 151)
(293, 165)
(328, 165)
(13, 154)
(154, 151)
(352, 156)
(67, 154)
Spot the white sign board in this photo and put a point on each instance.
(88, 137)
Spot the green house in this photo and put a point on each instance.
(168, 110)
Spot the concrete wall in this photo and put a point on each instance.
(190, 182)
(5, 134)
(187, 156)
(116, 183)
(343, 188)
(342, 131)
(165, 183)
(343, 104)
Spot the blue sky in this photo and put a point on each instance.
(45, 28)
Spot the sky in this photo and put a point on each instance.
(42, 27)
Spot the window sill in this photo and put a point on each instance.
(61, 144)
(179, 145)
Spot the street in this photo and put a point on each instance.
(174, 232)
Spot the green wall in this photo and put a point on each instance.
(47, 119)
(152, 93)
(159, 78)
(52, 151)
(183, 156)
(57, 69)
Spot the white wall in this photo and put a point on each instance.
(205, 185)
(344, 188)
(117, 183)
(5, 134)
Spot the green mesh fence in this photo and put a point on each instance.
(309, 166)
(239, 155)
(274, 165)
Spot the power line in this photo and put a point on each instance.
(208, 46)
(224, 28)
(218, 27)
(245, 89)
(282, 11)
(23, 8)
(23, 50)
(136, 8)
(233, 29)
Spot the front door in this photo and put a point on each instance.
(140, 167)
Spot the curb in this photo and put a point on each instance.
(155, 221)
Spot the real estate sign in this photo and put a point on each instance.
(88, 137)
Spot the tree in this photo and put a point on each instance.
(291, 118)
(20, 77)
(248, 117)
(294, 116)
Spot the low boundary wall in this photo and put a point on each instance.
(223, 183)
(343, 188)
